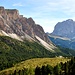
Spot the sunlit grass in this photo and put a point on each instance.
(32, 63)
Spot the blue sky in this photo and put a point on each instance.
(44, 12)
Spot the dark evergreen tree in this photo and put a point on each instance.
(37, 71)
(19, 72)
(66, 69)
(14, 72)
(49, 69)
(57, 69)
(44, 70)
(73, 69)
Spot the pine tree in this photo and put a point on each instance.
(37, 71)
(57, 69)
(73, 69)
(66, 69)
(14, 72)
(19, 72)
(49, 69)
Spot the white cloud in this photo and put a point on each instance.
(65, 7)
(18, 4)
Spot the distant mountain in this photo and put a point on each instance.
(16, 26)
(65, 29)
(64, 34)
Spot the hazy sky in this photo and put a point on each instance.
(44, 12)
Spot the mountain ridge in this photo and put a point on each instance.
(14, 25)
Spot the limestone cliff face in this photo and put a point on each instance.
(13, 23)
(12, 14)
(3, 12)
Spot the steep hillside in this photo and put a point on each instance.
(66, 45)
(16, 26)
(63, 42)
(13, 51)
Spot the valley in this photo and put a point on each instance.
(25, 48)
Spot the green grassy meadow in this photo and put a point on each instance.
(32, 63)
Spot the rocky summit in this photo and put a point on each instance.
(14, 25)
(65, 29)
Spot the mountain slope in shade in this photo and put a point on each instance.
(14, 25)
(65, 29)
(62, 41)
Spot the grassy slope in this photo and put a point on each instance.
(32, 63)
(41, 61)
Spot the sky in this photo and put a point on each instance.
(46, 13)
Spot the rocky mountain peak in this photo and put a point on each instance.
(1, 8)
(70, 20)
(2, 12)
(30, 21)
(65, 29)
(16, 26)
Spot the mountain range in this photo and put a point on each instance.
(21, 39)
